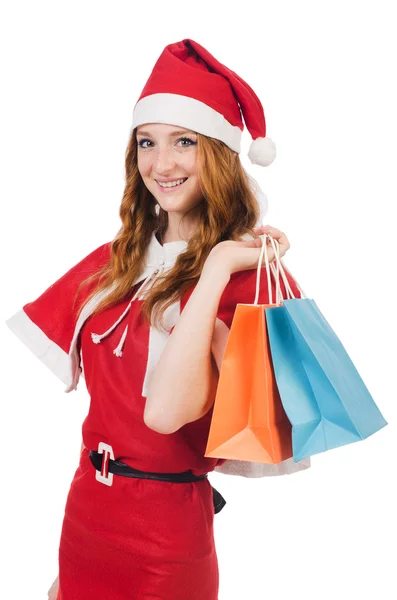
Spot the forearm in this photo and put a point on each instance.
(181, 382)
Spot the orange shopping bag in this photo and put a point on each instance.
(248, 420)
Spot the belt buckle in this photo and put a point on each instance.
(103, 475)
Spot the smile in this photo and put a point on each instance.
(172, 184)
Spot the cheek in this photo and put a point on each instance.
(190, 163)
(144, 164)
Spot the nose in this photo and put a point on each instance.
(164, 161)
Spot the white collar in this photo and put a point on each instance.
(158, 258)
(163, 255)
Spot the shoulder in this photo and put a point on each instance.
(87, 266)
(62, 298)
(97, 257)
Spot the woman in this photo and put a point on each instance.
(145, 318)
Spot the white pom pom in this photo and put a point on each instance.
(262, 151)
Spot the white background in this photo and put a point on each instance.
(325, 73)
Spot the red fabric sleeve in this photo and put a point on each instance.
(46, 325)
(241, 289)
(53, 311)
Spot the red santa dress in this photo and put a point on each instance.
(136, 538)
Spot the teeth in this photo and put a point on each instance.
(171, 183)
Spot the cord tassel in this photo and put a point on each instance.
(97, 337)
(119, 350)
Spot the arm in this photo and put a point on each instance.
(53, 591)
(183, 384)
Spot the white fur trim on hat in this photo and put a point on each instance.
(262, 151)
(187, 112)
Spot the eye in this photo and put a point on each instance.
(142, 142)
(188, 140)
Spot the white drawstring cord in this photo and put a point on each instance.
(119, 350)
(96, 338)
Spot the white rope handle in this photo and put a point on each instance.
(282, 269)
(276, 273)
(276, 276)
(258, 272)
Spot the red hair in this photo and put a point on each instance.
(228, 210)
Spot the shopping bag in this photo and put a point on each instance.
(248, 420)
(322, 393)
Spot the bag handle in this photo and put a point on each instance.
(258, 272)
(283, 269)
(276, 273)
(280, 269)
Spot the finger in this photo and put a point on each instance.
(272, 230)
(281, 250)
(259, 230)
(255, 243)
(283, 241)
(270, 256)
(280, 236)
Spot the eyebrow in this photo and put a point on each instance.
(174, 134)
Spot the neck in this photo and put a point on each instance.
(177, 230)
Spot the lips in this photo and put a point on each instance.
(170, 180)
(171, 187)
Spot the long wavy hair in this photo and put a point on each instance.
(229, 209)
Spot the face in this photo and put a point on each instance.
(167, 162)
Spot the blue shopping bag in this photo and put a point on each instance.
(323, 395)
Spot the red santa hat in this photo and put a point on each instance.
(190, 88)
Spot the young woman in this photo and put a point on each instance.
(145, 318)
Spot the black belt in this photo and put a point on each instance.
(120, 468)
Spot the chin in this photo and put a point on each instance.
(174, 203)
(180, 207)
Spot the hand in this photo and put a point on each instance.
(234, 256)
(53, 591)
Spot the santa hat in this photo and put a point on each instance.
(190, 88)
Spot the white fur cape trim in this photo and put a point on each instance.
(36, 340)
